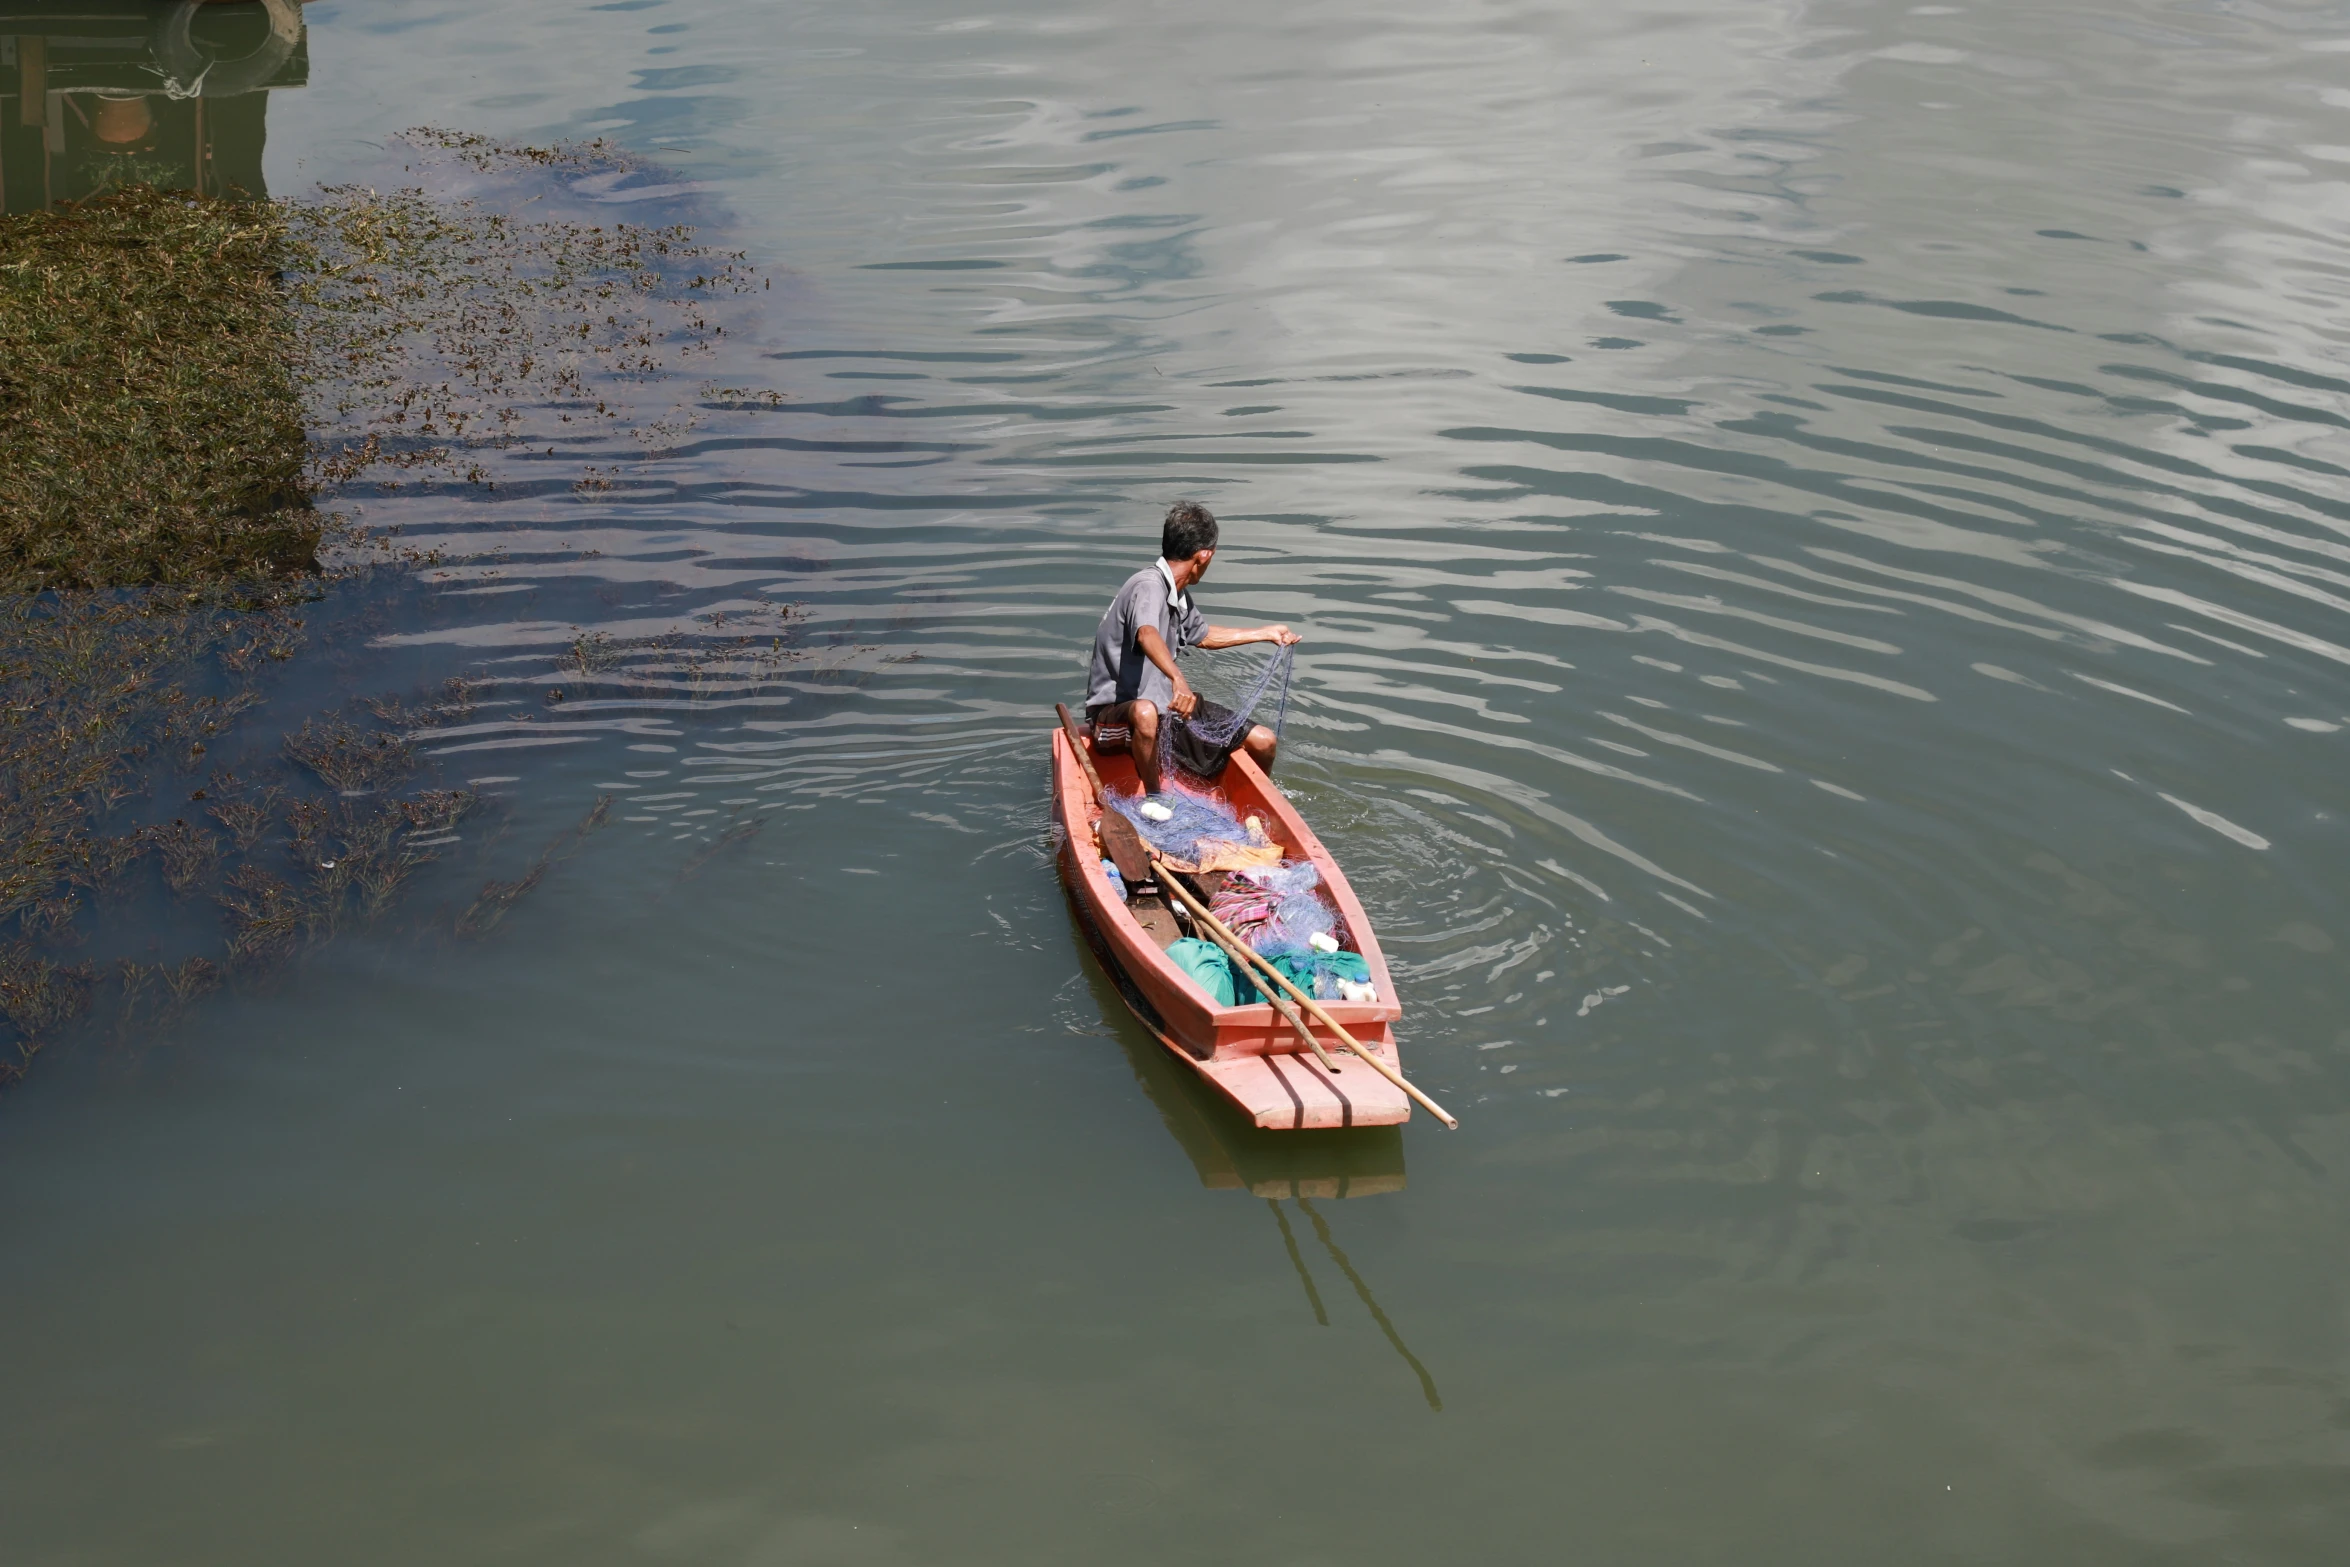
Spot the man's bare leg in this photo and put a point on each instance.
(1144, 716)
(1261, 746)
(1142, 720)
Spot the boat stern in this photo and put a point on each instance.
(1296, 1093)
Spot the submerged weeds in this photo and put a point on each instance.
(96, 711)
(182, 380)
(433, 329)
(181, 375)
(349, 758)
(491, 904)
(91, 689)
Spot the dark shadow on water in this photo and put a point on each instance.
(1297, 1260)
(1229, 1151)
(1370, 1303)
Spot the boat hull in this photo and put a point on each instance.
(1250, 1054)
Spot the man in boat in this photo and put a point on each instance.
(1137, 697)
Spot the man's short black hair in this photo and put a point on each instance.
(1190, 528)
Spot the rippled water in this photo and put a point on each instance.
(1822, 537)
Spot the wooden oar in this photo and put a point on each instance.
(1134, 860)
(1234, 946)
(1118, 838)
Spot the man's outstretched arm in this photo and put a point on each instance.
(1184, 699)
(1240, 636)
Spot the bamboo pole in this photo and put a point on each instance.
(32, 79)
(1288, 1009)
(1222, 935)
(1233, 944)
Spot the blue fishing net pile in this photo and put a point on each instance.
(1294, 886)
(1300, 911)
(1196, 816)
(1300, 914)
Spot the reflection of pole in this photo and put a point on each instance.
(1297, 1260)
(32, 80)
(32, 98)
(1322, 1229)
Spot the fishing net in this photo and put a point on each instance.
(1296, 910)
(1199, 818)
(1275, 673)
(1278, 912)
(1289, 907)
(1273, 904)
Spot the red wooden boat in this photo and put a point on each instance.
(1249, 1052)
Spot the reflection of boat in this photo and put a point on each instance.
(1231, 1154)
(98, 93)
(1247, 1052)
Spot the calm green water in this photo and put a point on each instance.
(1823, 537)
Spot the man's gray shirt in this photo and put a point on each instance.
(1120, 672)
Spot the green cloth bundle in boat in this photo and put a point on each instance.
(1318, 973)
(1212, 971)
(1315, 973)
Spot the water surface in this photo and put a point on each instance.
(1820, 530)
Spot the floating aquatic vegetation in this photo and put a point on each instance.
(187, 853)
(220, 362)
(724, 654)
(283, 864)
(265, 914)
(453, 703)
(183, 382)
(487, 154)
(92, 689)
(349, 758)
(246, 820)
(151, 994)
(433, 329)
(592, 651)
(148, 399)
(111, 705)
(37, 996)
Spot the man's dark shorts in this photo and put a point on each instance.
(1177, 742)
